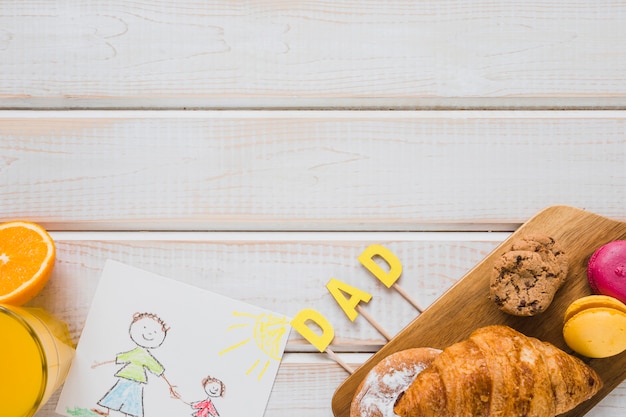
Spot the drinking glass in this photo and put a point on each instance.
(35, 355)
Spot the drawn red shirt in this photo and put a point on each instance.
(205, 409)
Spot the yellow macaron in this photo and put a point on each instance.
(595, 326)
(593, 301)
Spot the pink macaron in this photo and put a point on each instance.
(606, 270)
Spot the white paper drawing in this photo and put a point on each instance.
(152, 346)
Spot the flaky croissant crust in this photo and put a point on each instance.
(498, 371)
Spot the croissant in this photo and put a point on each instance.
(498, 371)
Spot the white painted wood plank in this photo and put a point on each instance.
(306, 382)
(312, 54)
(319, 170)
(284, 274)
(306, 387)
(281, 271)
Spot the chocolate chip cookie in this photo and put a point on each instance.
(525, 278)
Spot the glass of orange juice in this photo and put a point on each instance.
(35, 355)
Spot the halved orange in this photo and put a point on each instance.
(27, 256)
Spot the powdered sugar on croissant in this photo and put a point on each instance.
(377, 393)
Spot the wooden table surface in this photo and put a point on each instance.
(256, 148)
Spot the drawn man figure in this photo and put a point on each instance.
(214, 388)
(148, 332)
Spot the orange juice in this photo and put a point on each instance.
(35, 356)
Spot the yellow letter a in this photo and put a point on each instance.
(337, 288)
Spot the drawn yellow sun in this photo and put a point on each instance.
(267, 332)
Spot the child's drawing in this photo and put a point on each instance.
(205, 408)
(268, 332)
(208, 333)
(148, 332)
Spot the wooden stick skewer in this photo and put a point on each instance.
(339, 361)
(407, 297)
(373, 322)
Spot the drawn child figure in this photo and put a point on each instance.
(214, 388)
(148, 332)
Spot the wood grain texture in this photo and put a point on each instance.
(304, 387)
(398, 53)
(307, 170)
(466, 306)
(267, 206)
(283, 274)
(253, 266)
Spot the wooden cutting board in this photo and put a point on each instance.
(466, 306)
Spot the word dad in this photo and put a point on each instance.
(338, 288)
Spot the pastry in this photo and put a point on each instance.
(498, 371)
(595, 326)
(525, 278)
(378, 392)
(606, 270)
